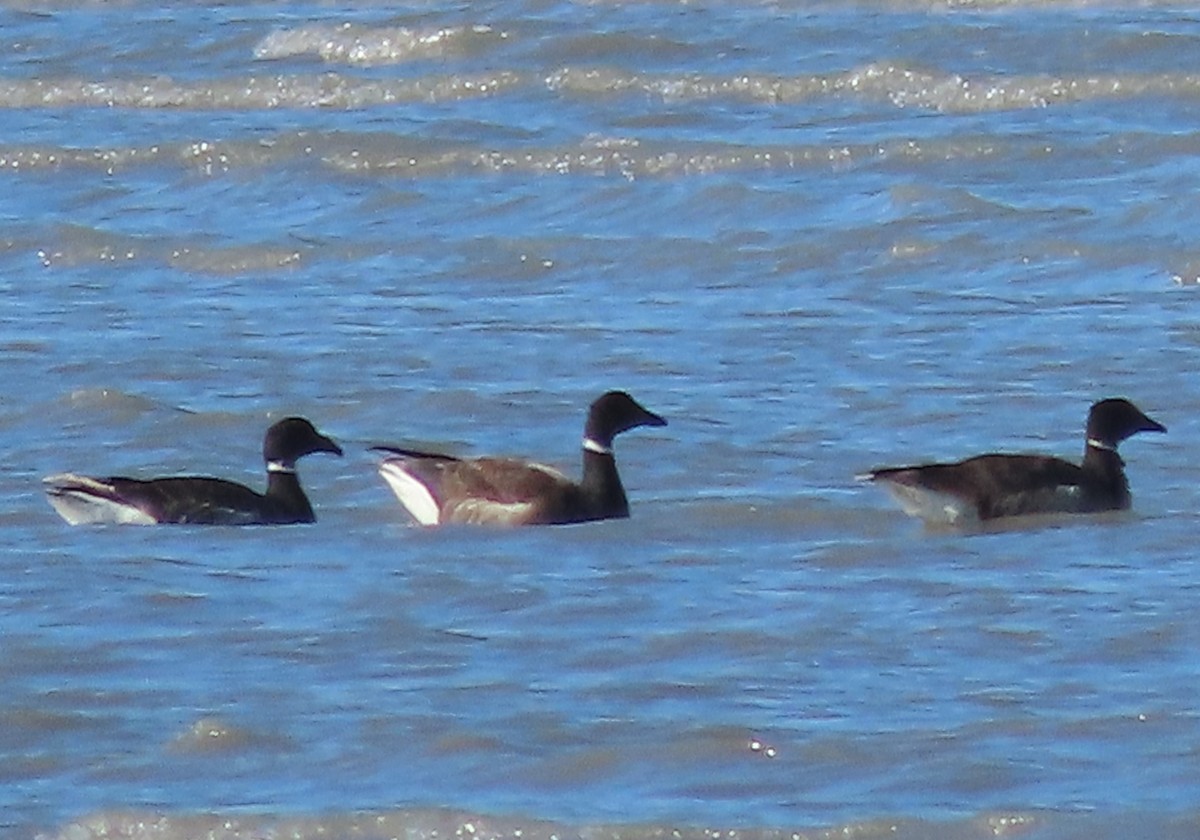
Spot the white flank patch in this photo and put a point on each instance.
(412, 492)
(488, 512)
(931, 506)
(76, 499)
(1065, 498)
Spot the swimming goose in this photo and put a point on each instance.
(437, 489)
(993, 486)
(195, 500)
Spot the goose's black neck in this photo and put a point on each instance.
(286, 495)
(601, 485)
(1104, 470)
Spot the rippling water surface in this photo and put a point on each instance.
(818, 238)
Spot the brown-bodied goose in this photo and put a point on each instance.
(438, 489)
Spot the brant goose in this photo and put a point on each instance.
(436, 489)
(994, 486)
(194, 500)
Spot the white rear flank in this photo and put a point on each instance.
(488, 512)
(417, 499)
(933, 507)
(85, 501)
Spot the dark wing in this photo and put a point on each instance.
(192, 500)
(502, 480)
(996, 485)
(401, 452)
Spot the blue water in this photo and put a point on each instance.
(818, 238)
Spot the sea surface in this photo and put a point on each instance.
(817, 237)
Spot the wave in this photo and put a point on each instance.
(72, 246)
(369, 46)
(897, 85)
(269, 92)
(900, 85)
(430, 824)
(426, 824)
(620, 154)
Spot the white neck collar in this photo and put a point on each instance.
(590, 445)
(1097, 444)
(279, 467)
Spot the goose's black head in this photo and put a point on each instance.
(292, 438)
(616, 412)
(1111, 421)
